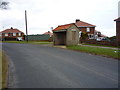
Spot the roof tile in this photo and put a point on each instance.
(11, 31)
(62, 27)
(83, 24)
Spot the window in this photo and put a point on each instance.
(14, 34)
(80, 34)
(88, 29)
(73, 35)
(19, 34)
(6, 34)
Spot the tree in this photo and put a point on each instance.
(84, 35)
(113, 38)
(4, 5)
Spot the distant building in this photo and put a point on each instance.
(66, 35)
(11, 34)
(85, 27)
(48, 33)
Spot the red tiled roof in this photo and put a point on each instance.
(11, 31)
(97, 31)
(62, 27)
(83, 24)
(101, 34)
(118, 19)
(48, 33)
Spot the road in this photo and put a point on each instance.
(36, 66)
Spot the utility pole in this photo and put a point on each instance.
(26, 26)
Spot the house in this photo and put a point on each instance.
(48, 33)
(12, 34)
(66, 35)
(85, 27)
(118, 30)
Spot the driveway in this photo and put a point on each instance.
(35, 66)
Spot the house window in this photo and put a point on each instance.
(14, 34)
(80, 34)
(88, 29)
(19, 34)
(73, 35)
(6, 34)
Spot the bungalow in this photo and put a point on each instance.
(11, 34)
(66, 35)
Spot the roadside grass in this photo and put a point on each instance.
(42, 42)
(29, 42)
(100, 45)
(97, 51)
(0, 70)
(3, 70)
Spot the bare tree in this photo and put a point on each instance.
(4, 5)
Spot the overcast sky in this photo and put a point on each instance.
(44, 14)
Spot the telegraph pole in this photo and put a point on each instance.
(26, 26)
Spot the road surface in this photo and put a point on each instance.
(35, 66)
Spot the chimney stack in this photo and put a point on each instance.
(77, 20)
(11, 28)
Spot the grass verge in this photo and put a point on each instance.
(29, 42)
(101, 45)
(3, 70)
(97, 51)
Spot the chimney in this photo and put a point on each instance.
(77, 20)
(11, 28)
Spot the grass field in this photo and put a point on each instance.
(98, 51)
(3, 70)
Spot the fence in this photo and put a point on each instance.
(107, 43)
(38, 37)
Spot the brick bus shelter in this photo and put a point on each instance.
(66, 35)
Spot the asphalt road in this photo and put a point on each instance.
(35, 66)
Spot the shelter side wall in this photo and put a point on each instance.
(72, 36)
(118, 31)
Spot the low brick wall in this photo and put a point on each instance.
(107, 43)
